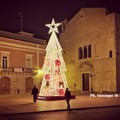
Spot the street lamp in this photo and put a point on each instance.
(40, 72)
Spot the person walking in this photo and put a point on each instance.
(34, 93)
(68, 97)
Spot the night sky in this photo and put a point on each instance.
(37, 13)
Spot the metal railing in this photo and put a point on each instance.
(15, 69)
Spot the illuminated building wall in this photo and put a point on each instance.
(90, 42)
(20, 56)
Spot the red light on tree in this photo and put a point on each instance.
(47, 76)
(60, 92)
(57, 62)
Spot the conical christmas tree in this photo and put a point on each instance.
(54, 80)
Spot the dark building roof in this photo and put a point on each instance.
(23, 36)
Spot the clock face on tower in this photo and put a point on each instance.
(82, 13)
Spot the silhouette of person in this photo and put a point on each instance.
(34, 93)
(68, 97)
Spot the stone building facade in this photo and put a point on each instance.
(20, 55)
(91, 49)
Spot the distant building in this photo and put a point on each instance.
(20, 55)
(91, 48)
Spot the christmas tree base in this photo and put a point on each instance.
(49, 98)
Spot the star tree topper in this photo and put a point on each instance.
(53, 26)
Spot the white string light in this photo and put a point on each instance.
(54, 80)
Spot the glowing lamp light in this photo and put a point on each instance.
(40, 72)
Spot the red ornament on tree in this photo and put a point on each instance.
(57, 62)
(61, 92)
(47, 76)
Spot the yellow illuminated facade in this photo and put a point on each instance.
(91, 50)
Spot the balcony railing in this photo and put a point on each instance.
(16, 69)
(6, 69)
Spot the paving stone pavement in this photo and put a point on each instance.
(23, 103)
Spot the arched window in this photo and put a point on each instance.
(80, 53)
(85, 52)
(89, 51)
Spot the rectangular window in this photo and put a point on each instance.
(28, 61)
(110, 54)
(5, 63)
(4, 59)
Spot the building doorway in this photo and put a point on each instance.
(28, 84)
(85, 82)
(5, 85)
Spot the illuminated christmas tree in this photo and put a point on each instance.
(54, 80)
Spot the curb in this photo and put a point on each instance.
(10, 114)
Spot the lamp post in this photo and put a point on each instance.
(38, 77)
